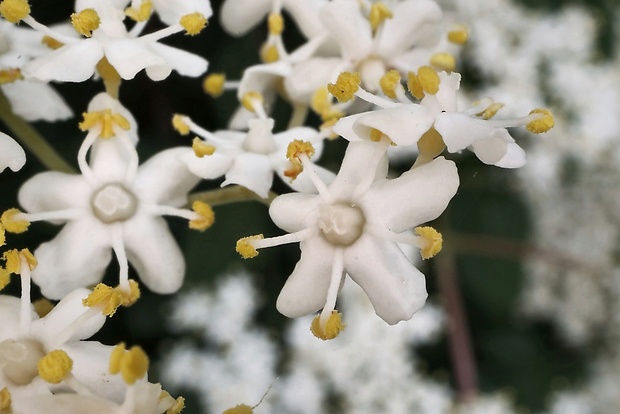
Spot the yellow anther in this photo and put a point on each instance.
(5, 401)
(201, 148)
(130, 297)
(42, 307)
(542, 124)
(239, 409)
(14, 10)
(179, 405)
(444, 61)
(298, 147)
(252, 99)
(10, 75)
(106, 119)
(430, 241)
(134, 365)
(414, 85)
(245, 248)
(375, 135)
(429, 79)
(193, 23)
(328, 125)
(431, 144)
(332, 327)
(491, 110)
(207, 216)
(55, 366)
(269, 53)
(213, 84)
(116, 357)
(345, 87)
(379, 12)
(51, 42)
(389, 82)
(459, 34)
(108, 298)
(179, 123)
(85, 22)
(5, 278)
(141, 13)
(321, 103)
(275, 23)
(11, 224)
(13, 260)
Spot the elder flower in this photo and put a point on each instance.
(12, 154)
(353, 227)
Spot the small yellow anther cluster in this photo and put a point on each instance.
(108, 298)
(431, 144)
(130, 297)
(201, 148)
(425, 81)
(275, 23)
(13, 259)
(10, 75)
(444, 61)
(107, 120)
(180, 124)
(431, 241)
(332, 327)
(5, 279)
(269, 53)
(179, 405)
(11, 224)
(491, 110)
(141, 13)
(213, 84)
(193, 23)
(5, 401)
(542, 124)
(239, 409)
(85, 22)
(42, 307)
(51, 42)
(251, 99)
(207, 216)
(14, 10)
(389, 82)
(459, 34)
(379, 12)
(132, 364)
(245, 248)
(322, 104)
(345, 87)
(55, 366)
(293, 151)
(375, 135)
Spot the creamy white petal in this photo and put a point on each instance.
(171, 11)
(303, 183)
(185, 63)
(459, 131)
(51, 190)
(394, 286)
(344, 20)
(10, 309)
(239, 16)
(306, 15)
(310, 75)
(305, 291)
(110, 160)
(264, 77)
(76, 257)
(71, 63)
(154, 253)
(404, 125)
(294, 211)
(12, 155)
(514, 157)
(209, 167)
(36, 101)
(417, 196)
(253, 171)
(129, 57)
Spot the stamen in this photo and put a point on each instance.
(426, 81)
(132, 364)
(85, 22)
(430, 241)
(10, 75)
(106, 120)
(245, 247)
(51, 42)
(293, 152)
(193, 23)
(207, 217)
(5, 277)
(14, 224)
(542, 124)
(269, 53)
(379, 12)
(253, 101)
(180, 124)
(332, 327)
(5, 401)
(26, 265)
(14, 10)
(275, 23)
(213, 84)
(105, 297)
(491, 110)
(140, 14)
(345, 87)
(248, 247)
(389, 82)
(444, 61)
(459, 34)
(118, 246)
(202, 149)
(55, 366)
(14, 258)
(131, 296)
(322, 104)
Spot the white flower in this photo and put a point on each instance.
(77, 59)
(352, 226)
(113, 205)
(12, 154)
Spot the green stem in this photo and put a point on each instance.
(31, 139)
(230, 195)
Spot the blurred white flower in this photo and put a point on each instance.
(12, 154)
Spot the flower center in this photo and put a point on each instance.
(19, 360)
(113, 202)
(260, 137)
(341, 224)
(372, 69)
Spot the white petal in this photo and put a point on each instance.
(154, 253)
(417, 196)
(10, 309)
(514, 157)
(310, 75)
(306, 15)
(261, 78)
(49, 191)
(459, 131)
(71, 63)
(239, 16)
(102, 101)
(210, 167)
(12, 154)
(305, 291)
(303, 183)
(130, 56)
(109, 160)
(76, 257)
(253, 171)
(36, 101)
(185, 63)
(351, 30)
(293, 212)
(171, 11)
(394, 286)
(404, 125)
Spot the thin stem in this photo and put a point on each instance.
(230, 195)
(31, 139)
(458, 328)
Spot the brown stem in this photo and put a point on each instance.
(458, 332)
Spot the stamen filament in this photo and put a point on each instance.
(88, 142)
(198, 130)
(284, 239)
(318, 183)
(376, 100)
(67, 214)
(159, 210)
(334, 286)
(160, 34)
(64, 335)
(30, 21)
